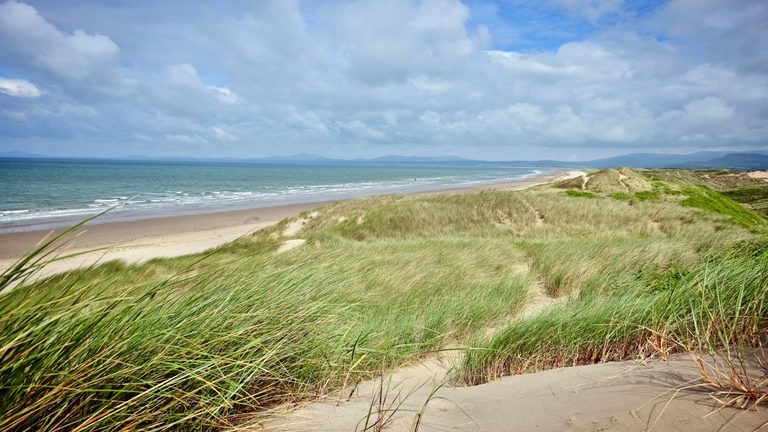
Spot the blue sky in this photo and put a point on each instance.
(521, 25)
(505, 79)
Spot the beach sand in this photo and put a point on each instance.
(619, 396)
(142, 240)
(145, 239)
(759, 174)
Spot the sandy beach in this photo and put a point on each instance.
(145, 239)
(651, 395)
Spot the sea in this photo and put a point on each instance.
(49, 193)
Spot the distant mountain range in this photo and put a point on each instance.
(740, 161)
(656, 160)
(21, 155)
(699, 160)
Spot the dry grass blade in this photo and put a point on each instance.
(733, 384)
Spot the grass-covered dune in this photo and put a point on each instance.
(645, 263)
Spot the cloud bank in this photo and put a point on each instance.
(496, 80)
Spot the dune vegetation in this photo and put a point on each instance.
(635, 263)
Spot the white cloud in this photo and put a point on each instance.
(74, 56)
(374, 75)
(398, 40)
(309, 122)
(576, 61)
(731, 32)
(224, 94)
(433, 86)
(183, 75)
(359, 130)
(185, 78)
(221, 135)
(185, 139)
(19, 88)
(709, 109)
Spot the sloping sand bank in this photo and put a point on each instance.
(142, 240)
(623, 396)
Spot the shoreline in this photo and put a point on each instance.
(144, 239)
(124, 212)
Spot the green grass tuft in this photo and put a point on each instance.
(756, 197)
(647, 196)
(718, 303)
(621, 196)
(581, 194)
(708, 200)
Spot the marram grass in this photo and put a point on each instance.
(201, 342)
(718, 303)
(113, 348)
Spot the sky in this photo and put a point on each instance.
(505, 79)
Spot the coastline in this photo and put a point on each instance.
(144, 239)
(64, 204)
(457, 256)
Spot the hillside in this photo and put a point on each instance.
(738, 161)
(615, 265)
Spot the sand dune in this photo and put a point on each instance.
(622, 396)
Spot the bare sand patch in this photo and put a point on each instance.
(621, 396)
(623, 177)
(571, 175)
(538, 302)
(290, 244)
(294, 227)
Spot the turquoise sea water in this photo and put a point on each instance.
(46, 193)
